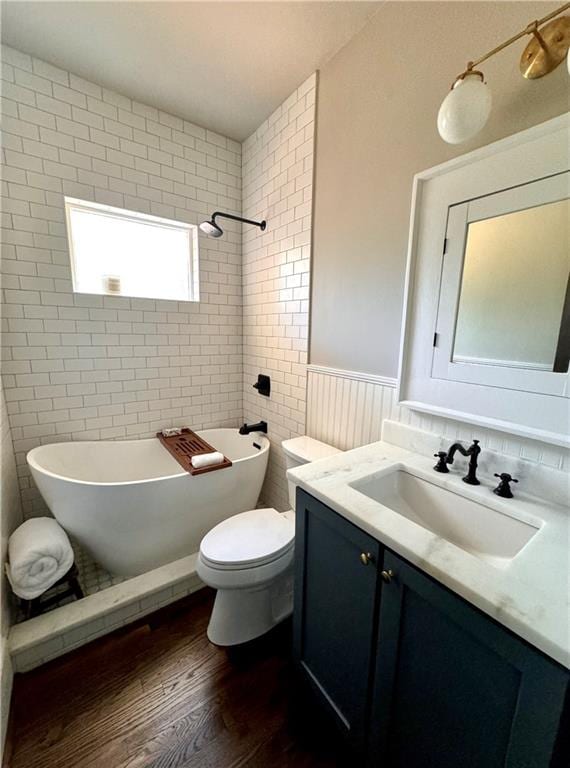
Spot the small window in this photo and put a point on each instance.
(117, 252)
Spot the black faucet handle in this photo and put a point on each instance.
(504, 489)
(441, 465)
(506, 477)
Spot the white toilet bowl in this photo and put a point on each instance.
(248, 558)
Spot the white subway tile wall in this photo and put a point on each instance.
(10, 518)
(277, 174)
(79, 367)
(10, 508)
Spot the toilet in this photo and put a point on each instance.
(248, 558)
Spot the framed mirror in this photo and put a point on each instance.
(487, 320)
(514, 299)
(504, 286)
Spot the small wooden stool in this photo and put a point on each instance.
(45, 601)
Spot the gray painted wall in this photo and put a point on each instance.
(376, 128)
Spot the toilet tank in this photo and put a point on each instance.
(303, 450)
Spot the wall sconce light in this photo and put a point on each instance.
(467, 106)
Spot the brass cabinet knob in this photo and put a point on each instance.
(387, 576)
(366, 558)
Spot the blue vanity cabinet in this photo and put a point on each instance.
(335, 614)
(414, 675)
(453, 688)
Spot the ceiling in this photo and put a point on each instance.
(222, 65)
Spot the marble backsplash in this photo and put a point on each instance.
(535, 479)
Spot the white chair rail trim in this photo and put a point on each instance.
(370, 378)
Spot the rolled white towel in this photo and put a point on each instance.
(207, 459)
(39, 554)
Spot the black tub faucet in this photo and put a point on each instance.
(448, 457)
(245, 429)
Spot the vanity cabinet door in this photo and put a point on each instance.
(335, 613)
(452, 688)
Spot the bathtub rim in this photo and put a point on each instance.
(33, 464)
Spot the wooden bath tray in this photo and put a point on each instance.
(189, 444)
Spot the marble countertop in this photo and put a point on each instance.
(528, 594)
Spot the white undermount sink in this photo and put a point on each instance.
(476, 528)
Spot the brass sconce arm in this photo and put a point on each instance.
(545, 51)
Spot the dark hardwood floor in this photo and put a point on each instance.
(159, 695)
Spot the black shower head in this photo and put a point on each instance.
(214, 230)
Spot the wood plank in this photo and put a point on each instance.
(157, 694)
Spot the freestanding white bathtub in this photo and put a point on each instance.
(132, 506)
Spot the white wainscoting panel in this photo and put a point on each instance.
(345, 408)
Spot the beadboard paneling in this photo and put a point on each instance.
(347, 412)
(346, 409)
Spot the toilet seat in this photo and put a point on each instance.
(249, 540)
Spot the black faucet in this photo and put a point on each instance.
(245, 429)
(445, 458)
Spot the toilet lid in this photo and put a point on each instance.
(250, 538)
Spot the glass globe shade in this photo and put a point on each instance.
(465, 109)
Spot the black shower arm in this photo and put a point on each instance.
(260, 224)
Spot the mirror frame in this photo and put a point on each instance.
(528, 156)
(526, 377)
